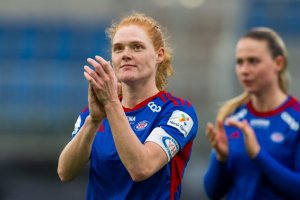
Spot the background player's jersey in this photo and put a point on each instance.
(108, 177)
(273, 173)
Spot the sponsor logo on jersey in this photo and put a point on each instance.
(170, 145)
(77, 126)
(141, 125)
(182, 121)
(277, 137)
(293, 124)
(260, 123)
(239, 115)
(131, 119)
(154, 107)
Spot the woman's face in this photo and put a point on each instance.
(133, 55)
(256, 70)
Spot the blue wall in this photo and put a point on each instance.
(41, 79)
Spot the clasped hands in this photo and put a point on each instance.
(218, 139)
(103, 86)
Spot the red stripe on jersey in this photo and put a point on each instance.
(172, 99)
(161, 96)
(181, 101)
(189, 103)
(178, 163)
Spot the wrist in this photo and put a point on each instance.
(221, 158)
(111, 105)
(93, 122)
(255, 152)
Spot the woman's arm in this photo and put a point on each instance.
(284, 180)
(141, 160)
(77, 152)
(217, 178)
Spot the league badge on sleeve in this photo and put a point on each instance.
(181, 121)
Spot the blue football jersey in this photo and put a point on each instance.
(109, 178)
(275, 172)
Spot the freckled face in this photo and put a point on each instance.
(255, 67)
(133, 55)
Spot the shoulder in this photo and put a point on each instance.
(294, 104)
(292, 110)
(178, 110)
(175, 101)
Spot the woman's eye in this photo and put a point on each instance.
(239, 62)
(253, 61)
(137, 47)
(117, 49)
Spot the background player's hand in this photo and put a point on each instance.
(102, 80)
(218, 140)
(251, 144)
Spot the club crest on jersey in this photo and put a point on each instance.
(277, 137)
(171, 146)
(141, 125)
(181, 121)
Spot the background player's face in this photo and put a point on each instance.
(256, 70)
(133, 55)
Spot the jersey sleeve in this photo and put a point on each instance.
(216, 180)
(175, 129)
(285, 180)
(80, 121)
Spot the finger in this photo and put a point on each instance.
(98, 67)
(211, 134)
(92, 74)
(209, 129)
(105, 64)
(220, 126)
(90, 79)
(246, 128)
(236, 123)
(243, 126)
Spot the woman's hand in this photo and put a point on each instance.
(218, 140)
(251, 144)
(96, 109)
(102, 80)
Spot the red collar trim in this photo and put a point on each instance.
(143, 103)
(289, 102)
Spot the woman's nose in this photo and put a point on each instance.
(127, 54)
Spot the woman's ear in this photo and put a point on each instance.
(280, 63)
(160, 55)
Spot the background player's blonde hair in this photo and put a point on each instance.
(276, 48)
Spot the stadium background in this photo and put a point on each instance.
(44, 45)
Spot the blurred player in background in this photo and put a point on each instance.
(256, 142)
(139, 143)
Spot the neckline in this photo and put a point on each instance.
(143, 103)
(288, 102)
